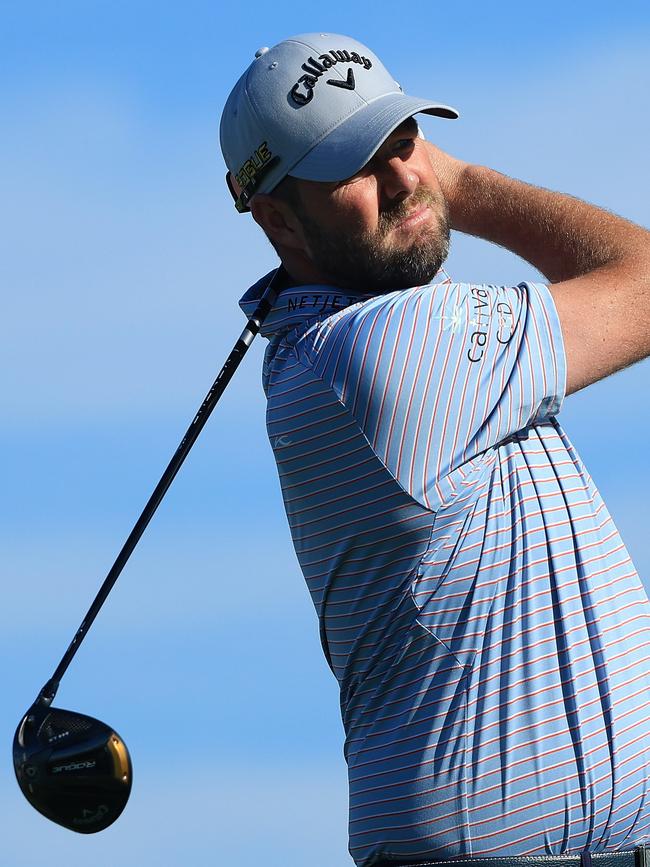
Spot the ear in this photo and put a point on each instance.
(278, 220)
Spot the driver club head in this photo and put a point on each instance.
(73, 769)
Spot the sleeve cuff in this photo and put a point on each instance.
(546, 313)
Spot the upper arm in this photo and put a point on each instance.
(605, 321)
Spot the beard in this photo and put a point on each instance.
(368, 261)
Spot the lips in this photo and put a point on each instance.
(414, 219)
(417, 215)
(411, 214)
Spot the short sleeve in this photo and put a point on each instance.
(437, 375)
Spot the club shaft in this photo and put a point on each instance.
(224, 376)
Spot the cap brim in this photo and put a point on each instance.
(349, 146)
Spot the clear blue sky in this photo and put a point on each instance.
(121, 262)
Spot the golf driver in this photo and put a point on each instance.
(72, 768)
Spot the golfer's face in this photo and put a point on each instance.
(383, 229)
(395, 198)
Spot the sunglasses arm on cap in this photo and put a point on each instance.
(243, 195)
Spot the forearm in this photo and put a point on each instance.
(561, 236)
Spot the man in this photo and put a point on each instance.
(488, 631)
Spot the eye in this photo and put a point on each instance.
(404, 145)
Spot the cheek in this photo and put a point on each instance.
(425, 170)
(429, 178)
(357, 205)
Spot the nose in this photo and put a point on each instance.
(399, 180)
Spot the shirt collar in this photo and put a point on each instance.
(294, 305)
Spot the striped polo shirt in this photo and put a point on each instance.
(486, 626)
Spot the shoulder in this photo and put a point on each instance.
(437, 308)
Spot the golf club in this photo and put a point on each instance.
(72, 768)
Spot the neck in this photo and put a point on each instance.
(302, 270)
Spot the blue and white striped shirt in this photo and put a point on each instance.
(487, 628)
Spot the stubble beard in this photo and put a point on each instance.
(369, 262)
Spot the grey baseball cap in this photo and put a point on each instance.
(316, 106)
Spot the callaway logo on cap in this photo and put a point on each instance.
(303, 90)
(316, 106)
